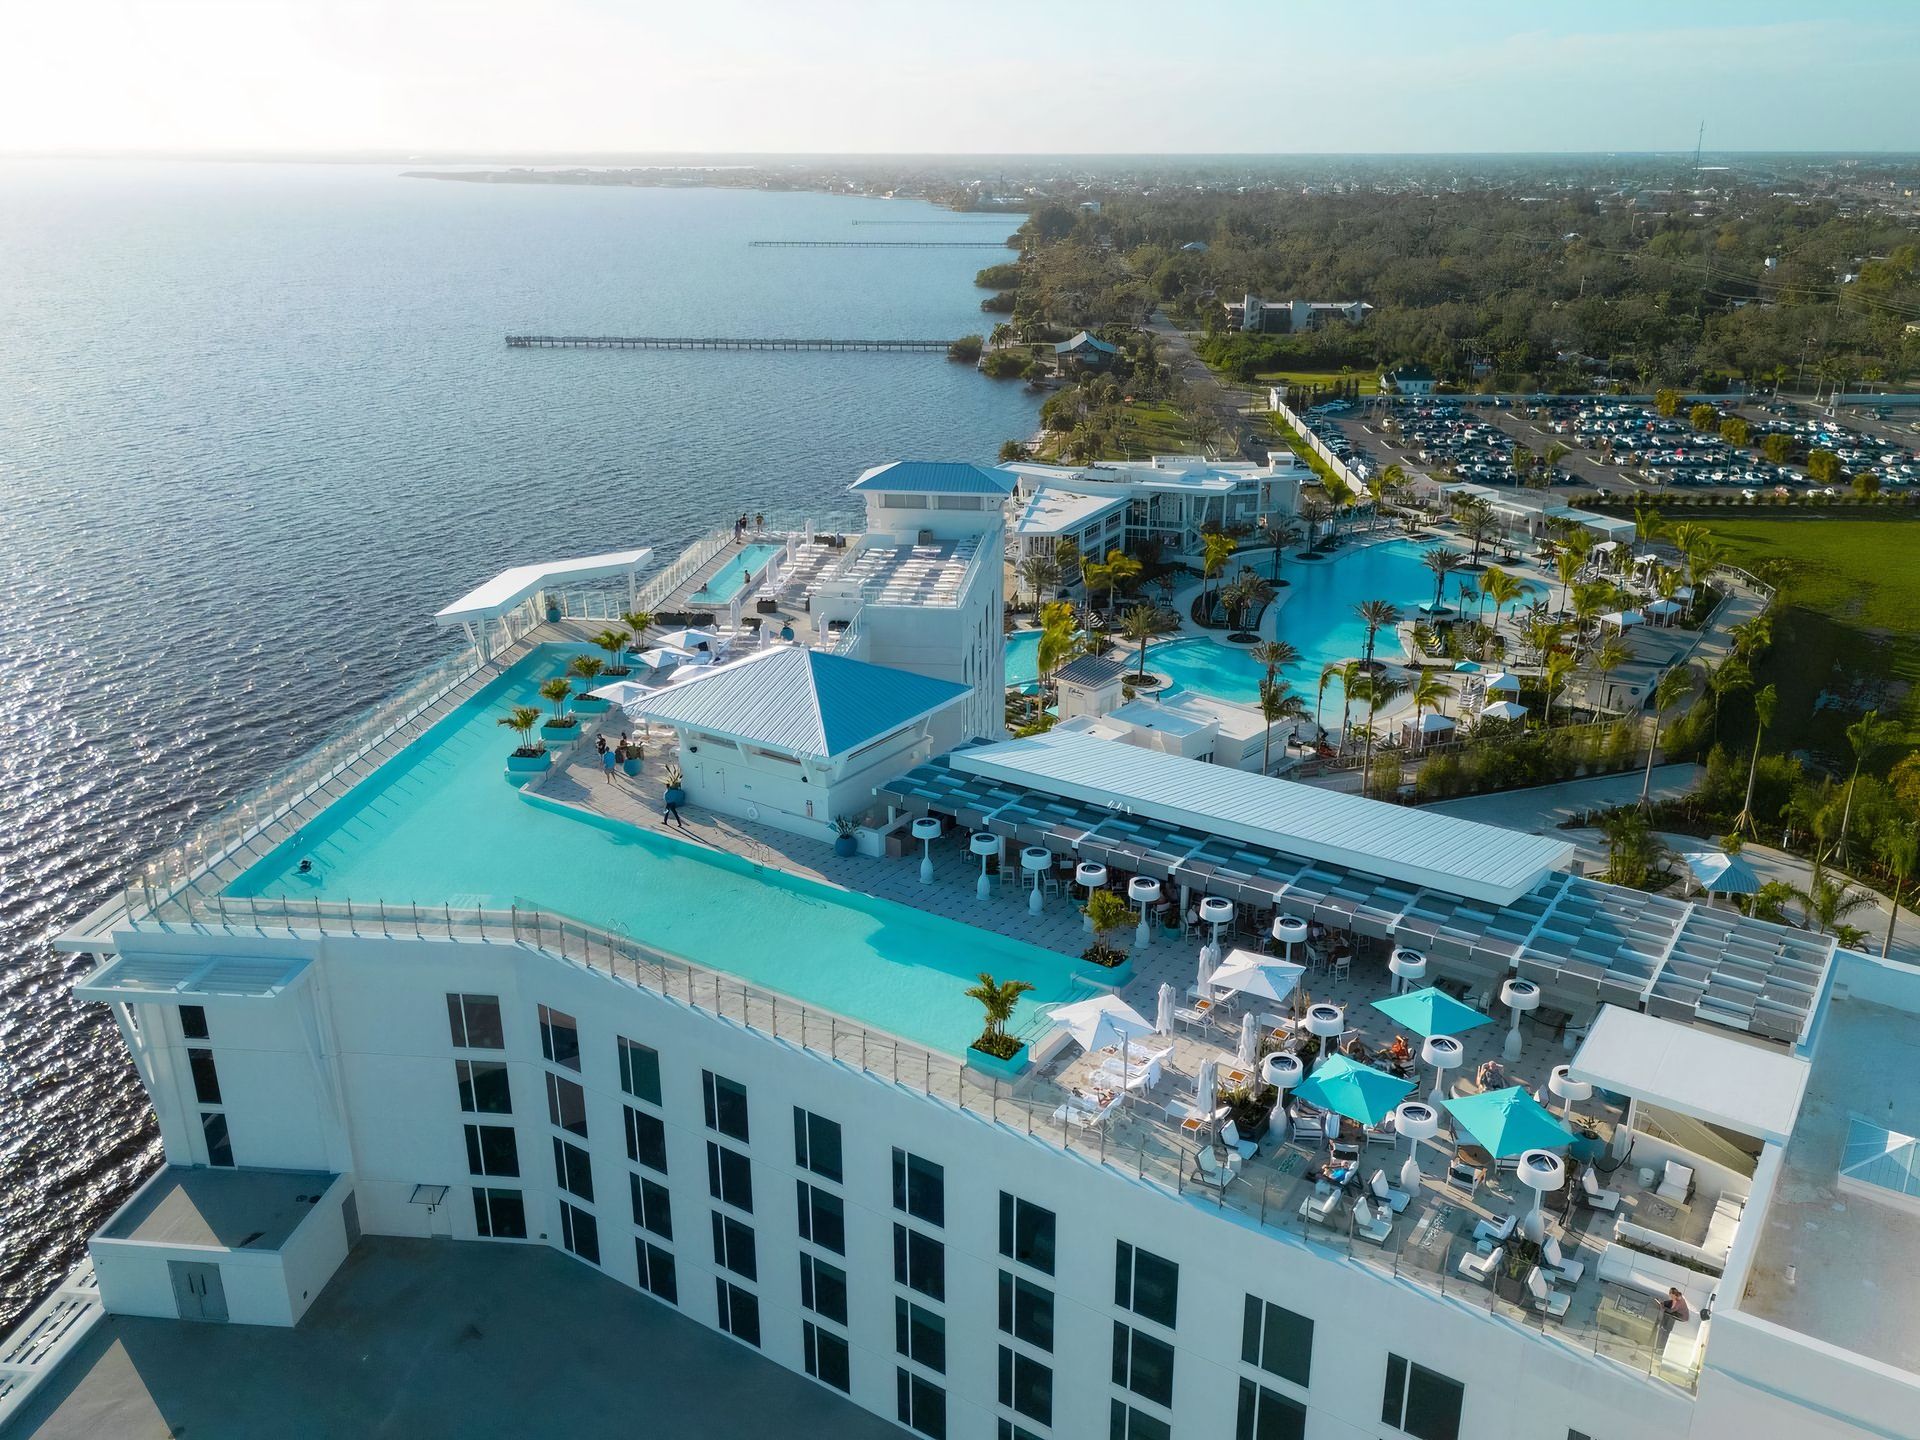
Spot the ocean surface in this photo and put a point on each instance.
(258, 422)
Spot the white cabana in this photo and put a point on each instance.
(1504, 710)
(1501, 683)
(1103, 1020)
(1432, 728)
(1721, 874)
(1622, 619)
(510, 589)
(1247, 972)
(1661, 612)
(1690, 1070)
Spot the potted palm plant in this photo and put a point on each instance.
(636, 757)
(1110, 966)
(676, 787)
(996, 1052)
(563, 728)
(614, 642)
(530, 757)
(587, 670)
(846, 836)
(639, 622)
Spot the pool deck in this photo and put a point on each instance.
(437, 1337)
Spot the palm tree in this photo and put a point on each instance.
(1057, 637)
(557, 690)
(639, 622)
(998, 998)
(1380, 690)
(1097, 575)
(522, 719)
(1120, 568)
(1215, 550)
(1277, 703)
(1668, 691)
(1041, 572)
(1429, 689)
(1729, 675)
(1646, 523)
(1328, 674)
(1350, 680)
(1764, 700)
(1899, 850)
(1140, 623)
(1375, 615)
(1282, 533)
(1554, 676)
(1827, 902)
(1864, 737)
(1503, 589)
(614, 642)
(1066, 554)
(1478, 524)
(1613, 653)
(1566, 565)
(1316, 512)
(587, 669)
(1442, 560)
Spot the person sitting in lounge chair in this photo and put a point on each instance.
(1399, 1055)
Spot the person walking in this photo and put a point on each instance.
(607, 762)
(673, 816)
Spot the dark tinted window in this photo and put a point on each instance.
(193, 1022)
(1026, 1310)
(1026, 1233)
(206, 1076)
(652, 1207)
(566, 1104)
(639, 1070)
(559, 1037)
(919, 1188)
(491, 1150)
(827, 1357)
(1277, 1340)
(646, 1139)
(219, 1147)
(816, 1144)
(726, 1104)
(484, 1088)
(919, 1262)
(729, 1176)
(1146, 1284)
(475, 1022)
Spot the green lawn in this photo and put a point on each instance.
(1327, 379)
(1847, 626)
(1147, 428)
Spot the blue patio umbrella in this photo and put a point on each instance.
(1356, 1091)
(1506, 1122)
(1431, 1012)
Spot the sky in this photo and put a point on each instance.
(928, 76)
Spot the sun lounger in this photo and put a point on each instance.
(1595, 1197)
(1495, 1231)
(1559, 1265)
(1544, 1296)
(1370, 1224)
(1211, 1169)
(1387, 1193)
(1482, 1267)
(1321, 1204)
(1230, 1135)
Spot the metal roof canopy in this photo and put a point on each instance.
(1448, 854)
(510, 587)
(168, 976)
(1693, 1071)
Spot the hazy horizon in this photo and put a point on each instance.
(328, 78)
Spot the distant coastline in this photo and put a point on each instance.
(944, 195)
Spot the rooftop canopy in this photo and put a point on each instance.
(1431, 1012)
(1507, 1122)
(1747, 1088)
(933, 477)
(1460, 856)
(799, 702)
(510, 587)
(1356, 1091)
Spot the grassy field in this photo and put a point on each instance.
(1147, 429)
(1847, 629)
(1369, 382)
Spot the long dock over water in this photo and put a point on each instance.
(707, 342)
(878, 244)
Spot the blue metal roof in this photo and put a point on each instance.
(935, 477)
(801, 702)
(1085, 340)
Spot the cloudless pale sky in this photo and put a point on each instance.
(988, 76)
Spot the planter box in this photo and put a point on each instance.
(1001, 1069)
(529, 764)
(675, 795)
(1107, 977)
(587, 705)
(561, 735)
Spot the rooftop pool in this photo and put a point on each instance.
(439, 824)
(732, 576)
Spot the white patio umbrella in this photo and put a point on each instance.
(1204, 976)
(1204, 1087)
(1163, 1024)
(1247, 974)
(622, 692)
(1249, 1048)
(1103, 1020)
(685, 640)
(663, 657)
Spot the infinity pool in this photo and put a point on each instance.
(439, 824)
(732, 575)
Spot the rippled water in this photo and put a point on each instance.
(257, 423)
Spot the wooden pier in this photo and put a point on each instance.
(707, 342)
(878, 244)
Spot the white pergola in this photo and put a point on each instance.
(510, 589)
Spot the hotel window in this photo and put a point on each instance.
(919, 1188)
(206, 1076)
(1010, 1431)
(1277, 1340)
(1026, 1233)
(646, 1139)
(828, 1360)
(213, 1125)
(580, 1233)
(919, 1262)
(920, 1334)
(566, 1105)
(475, 1022)
(726, 1105)
(559, 1037)
(816, 1144)
(823, 1288)
(1026, 1311)
(484, 1089)
(639, 1071)
(823, 1218)
(1267, 1416)
(1126, 1423)
(492, 1150)
(923, 1405)
(656, 1271)
(1146, 1284)
(193, 1022)
(572, 1169)
(1142, 1364)
(652, 1208)
(739, 1311)
(1420, 1401)
(1026, 1386)
(499, 1214)
(729, 1177)
(733, 1247)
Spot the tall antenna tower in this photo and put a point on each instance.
(1698, 141)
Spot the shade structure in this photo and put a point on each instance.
(1103, 1020)
(663, 657)
(1506, 1122)
(1501, 682)
(685, 640)
(1245, 974)
(622, 692)
(1721, 874)
(1431, 1012)
(1356, 1091)
(1504, 710)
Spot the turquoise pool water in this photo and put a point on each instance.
(732, 575)
(1023, 657)
(440, 824)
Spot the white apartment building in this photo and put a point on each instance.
(1171, 500)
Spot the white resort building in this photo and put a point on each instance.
(1170, 500)
(728, 1064)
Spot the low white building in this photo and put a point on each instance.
(1171, 500)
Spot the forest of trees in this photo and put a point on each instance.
(1541, 293)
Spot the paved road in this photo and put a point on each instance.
(1236, 419)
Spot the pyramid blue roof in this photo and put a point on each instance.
(935, 477)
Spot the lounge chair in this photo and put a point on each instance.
(1467, 1177)
(1230, 1134)
(1308, 1123)
(1210, 1169)
(1482, 1268)
(1369, 1224)
(1495, 1231)
(1388, 1194)
(1544, 1296)
(1595, 1197)
(1565, 1270)
(1321, 1204)
(1676, 1184)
